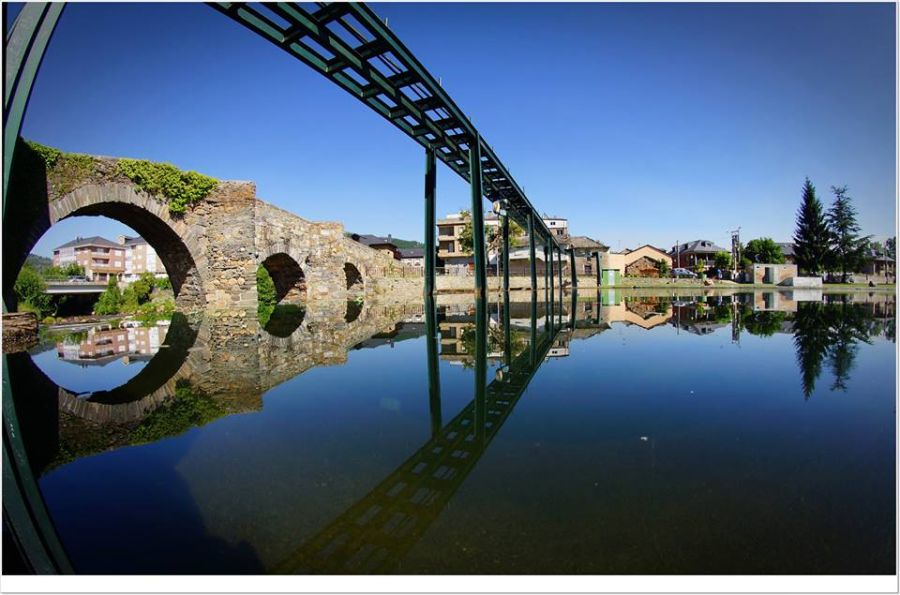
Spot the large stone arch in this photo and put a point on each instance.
(170, 237)
(175, 241)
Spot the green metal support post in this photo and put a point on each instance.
(25, 45)
(480, 368)
(477, 217)
(572, 268)
(507, 330)
(434, 377)
(24, 512)
(430, 222)
(504, 222)
(573, 307)
(550, 262)
(532, 256)
(560, 267)
(546, 275)
(532, 344)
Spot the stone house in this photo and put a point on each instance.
(640, 262)
(645, 261)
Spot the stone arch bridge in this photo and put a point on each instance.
(211, 252)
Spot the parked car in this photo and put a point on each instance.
(78, 279)
(682, 272)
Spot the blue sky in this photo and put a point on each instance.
(641, 123)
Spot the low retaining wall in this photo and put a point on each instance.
(20, 331)
(810, 282)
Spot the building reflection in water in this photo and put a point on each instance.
(103, 344)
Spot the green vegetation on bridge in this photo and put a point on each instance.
(178, 188)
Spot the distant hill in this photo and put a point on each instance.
(38, 262)
(407, 243)
(398, 242)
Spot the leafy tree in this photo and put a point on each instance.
(266, 295)
(494, 238)
(38, 263)
(663, 267)
(129, 300)
(764, 250)
(137, 293)
(466, 235)
(811, 236)
(890, 247)
(29, 289)
(723, 260)
(848, 250)
(700, 267)
(764, 324)
(52, 273)
(110, 300)
(143, 286)
(265, 287)
(73, 269)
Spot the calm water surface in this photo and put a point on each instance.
(660, 434)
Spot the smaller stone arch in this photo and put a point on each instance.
(354, 278)
(288, 277)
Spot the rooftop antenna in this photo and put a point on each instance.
(735, 250)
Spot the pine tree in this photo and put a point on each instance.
(848, 250)
(811, 238)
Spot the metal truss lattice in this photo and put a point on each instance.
(350, 45)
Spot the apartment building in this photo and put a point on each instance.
(102, 259)
(140, 257)
(450, 253)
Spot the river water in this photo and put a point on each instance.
(615, 433)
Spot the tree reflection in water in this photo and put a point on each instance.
(830, 332)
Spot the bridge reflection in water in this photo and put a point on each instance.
(373, 535)
(234, 367)
(234, 364)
